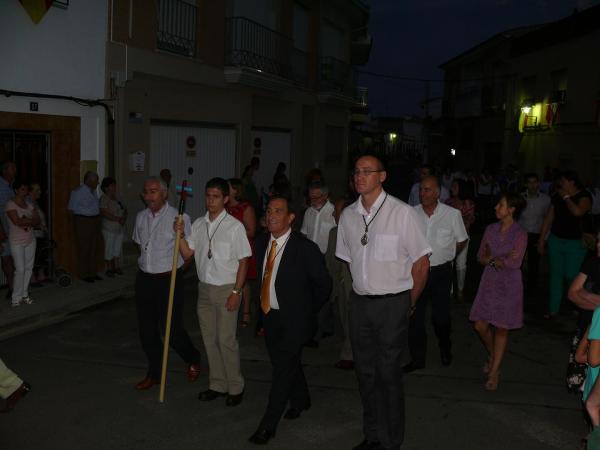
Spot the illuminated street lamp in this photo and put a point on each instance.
(453, 151)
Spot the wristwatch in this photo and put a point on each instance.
(236, 291)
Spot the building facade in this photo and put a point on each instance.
(528, 97)
(201, 87)
(129, 87)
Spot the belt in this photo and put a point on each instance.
(158, 275)
(374, 297)
(441, 266)
(87, 217)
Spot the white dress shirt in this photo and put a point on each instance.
(532, 217)
(156, 238)
(317, 223)
(384, 265)
(443, 230)
(281, 243)
(229, 244)
(414, 199)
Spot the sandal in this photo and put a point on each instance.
(245, 320)
(492, 382)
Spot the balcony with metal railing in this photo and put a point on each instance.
(251, 46)
(176, 27)
(337, 81)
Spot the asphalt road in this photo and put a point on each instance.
(83, 372)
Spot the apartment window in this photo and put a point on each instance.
(177, 27)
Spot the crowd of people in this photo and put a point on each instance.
(366, 265)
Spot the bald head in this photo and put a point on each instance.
(429, 191)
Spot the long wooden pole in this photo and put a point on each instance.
(163, 375)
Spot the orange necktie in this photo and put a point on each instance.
(265, 287)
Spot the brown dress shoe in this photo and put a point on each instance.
(13, 398)
(146, 383)
(193, 372)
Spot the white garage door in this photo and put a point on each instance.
(275, 147)
(213, 155)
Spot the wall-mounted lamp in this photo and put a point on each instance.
(393, 137)
(527, 105)
(453, 151)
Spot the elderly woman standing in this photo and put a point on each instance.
(114, 215)
(22, 217)
(563, 221)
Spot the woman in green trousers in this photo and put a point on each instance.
(565, 248)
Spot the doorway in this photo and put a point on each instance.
(30, 152)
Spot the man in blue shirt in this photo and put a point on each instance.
(8, 171)
(84, 206)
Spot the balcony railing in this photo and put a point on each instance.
(339, 77)
(253, 45)
(176, 27)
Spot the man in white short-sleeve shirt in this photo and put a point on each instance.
(154, 234)
(445, 231)
(380, 239)
(221, 250)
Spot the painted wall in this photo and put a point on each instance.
(64, 54)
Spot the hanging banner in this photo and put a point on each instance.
(36, 9)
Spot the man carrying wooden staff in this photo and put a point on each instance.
(155, 235)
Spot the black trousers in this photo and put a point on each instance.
(533, 262)
(288, 382)
(379, 336)
(87, 235)
(152, 299)
(436, 292)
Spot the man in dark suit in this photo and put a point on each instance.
(295, 285)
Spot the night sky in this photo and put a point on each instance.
(413, 37)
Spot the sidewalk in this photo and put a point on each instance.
(53, 303)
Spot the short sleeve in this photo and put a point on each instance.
(136, 231)
(191, 233)
(241, 246)
(10, 206)
(341, 247)
(415, 243)
(594, 332)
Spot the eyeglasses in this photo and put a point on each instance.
(365, 172)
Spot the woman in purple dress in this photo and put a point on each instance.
(498, 306)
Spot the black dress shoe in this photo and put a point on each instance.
(234, 400)
(261, 436)
(367, 445)
(413, 365)
(294, 413)
(209, 395)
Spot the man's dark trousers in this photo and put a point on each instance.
(288, 381)
(437, 291)
(533, 262)
(379, 337)
(151, 299)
